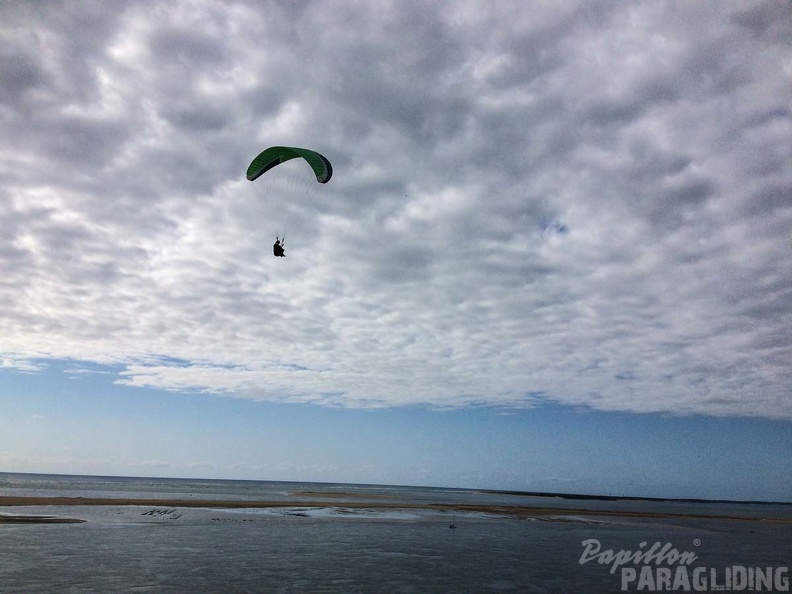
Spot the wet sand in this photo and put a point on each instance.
(506, 510)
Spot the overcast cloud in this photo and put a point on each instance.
(580, 202)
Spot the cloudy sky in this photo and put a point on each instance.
(566, 221)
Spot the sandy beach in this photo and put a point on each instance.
(508, 510)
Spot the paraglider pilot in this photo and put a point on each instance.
(277, 248)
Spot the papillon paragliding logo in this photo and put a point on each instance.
(291, 188)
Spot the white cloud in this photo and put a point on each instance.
(591, 205)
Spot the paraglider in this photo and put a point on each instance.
(277, 248)
(274, 156)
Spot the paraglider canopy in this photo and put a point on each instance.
(275, 155)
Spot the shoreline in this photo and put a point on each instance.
(505, 510)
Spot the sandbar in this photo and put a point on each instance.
(14, 519)
(344, 494)
(505, 510)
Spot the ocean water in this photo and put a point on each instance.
(122, 548)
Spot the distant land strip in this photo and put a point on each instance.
(626, 497)
(507, 510)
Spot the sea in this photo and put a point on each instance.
(327, 547)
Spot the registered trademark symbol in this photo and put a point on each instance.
(696, 542)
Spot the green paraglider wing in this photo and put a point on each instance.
(275, 155)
